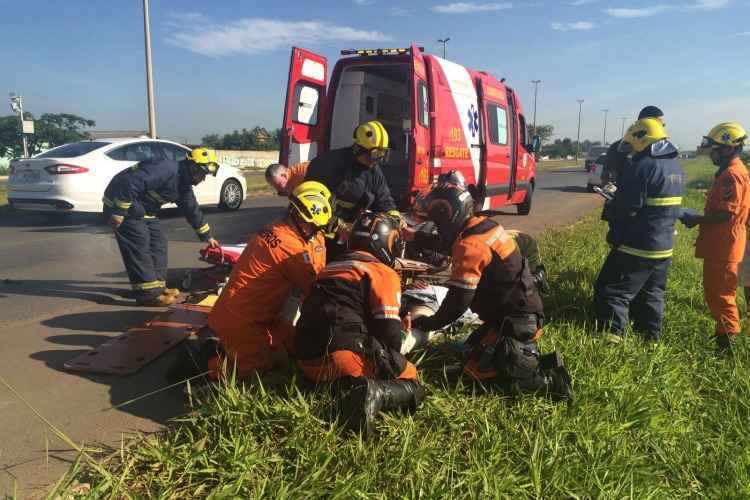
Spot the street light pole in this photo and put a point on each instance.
(604, 134)
(578, 137)
(149, 77)
(16, 104)
(622, 128)
(536, 89)
(444, 41)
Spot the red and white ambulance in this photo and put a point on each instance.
(440, 116)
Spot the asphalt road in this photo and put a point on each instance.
(61, 293)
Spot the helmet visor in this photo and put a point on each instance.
(379, 155)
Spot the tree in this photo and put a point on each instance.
(258, 138)
(50, 130)
(544, 132)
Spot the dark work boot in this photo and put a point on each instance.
(364, 398)
(725, 344)
(551, 378)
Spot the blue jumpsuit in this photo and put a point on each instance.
(633, 280)
(138, 193)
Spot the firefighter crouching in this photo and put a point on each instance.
(252, 318)
(132, 202)
(641, 217)
(350, 331)
(250, 327)
(490, 276)
(723, 230)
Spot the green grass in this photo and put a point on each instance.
(3, 192)
(256, 183)
(658, 422)
(553, 164)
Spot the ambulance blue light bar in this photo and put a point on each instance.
(377, 52)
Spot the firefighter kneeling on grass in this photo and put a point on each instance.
(132, 202)
(490, 276)
(250, 327)
(350, 331)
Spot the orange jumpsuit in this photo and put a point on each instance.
(297, 174)
(722, 245)
(276, 262)
(364, 296)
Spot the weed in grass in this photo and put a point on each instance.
(663, 421)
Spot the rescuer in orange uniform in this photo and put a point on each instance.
(286, 179)
(490, 275)
(279, 262)
(723, 234)
(350, 330)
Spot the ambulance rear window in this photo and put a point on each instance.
(424, 104)
(498, 125)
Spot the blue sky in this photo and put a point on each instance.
(222, 64)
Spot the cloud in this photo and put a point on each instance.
(257, 35)
(578, 3)
(364, 2)
(469, 7)
(398, 12)
(695, 5)
(742, 33)
(628, 13)
(574, 26)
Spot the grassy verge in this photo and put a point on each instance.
(648, 422)
(554, 164)
(3, 192)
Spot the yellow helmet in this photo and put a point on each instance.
(205, 159)
(311, 201)
(371, 135)
(725, 134)
(644, 133)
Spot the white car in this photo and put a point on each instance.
(595, 173)
(73, 177)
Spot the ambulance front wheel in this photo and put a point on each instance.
(524, 208)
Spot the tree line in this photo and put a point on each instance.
(560, 148)
(50, 130)
(257, 139)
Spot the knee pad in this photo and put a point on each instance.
(516, 360)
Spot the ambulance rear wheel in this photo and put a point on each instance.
(524, 208)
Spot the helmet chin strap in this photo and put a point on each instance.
(299, 227)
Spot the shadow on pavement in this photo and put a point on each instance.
(159, 408)
(567, 189)
(92, 291)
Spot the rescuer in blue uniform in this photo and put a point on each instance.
(132, 201)
(641, 220)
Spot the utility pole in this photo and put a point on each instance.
(16, 104)
(444, 41)
(536, 89)
(622, 128)
(578, 137)
(604, 134)
(149, 77)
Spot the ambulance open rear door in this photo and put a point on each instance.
(305, 112)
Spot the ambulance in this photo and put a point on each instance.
(440, 116)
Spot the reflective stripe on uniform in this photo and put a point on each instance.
(465, 283)
(203, 229)
(149, 217)
(664, 202)
(108, 202)
(156, 197)
(148, 285)
(122, 204)
(344, 204)
(646, 254)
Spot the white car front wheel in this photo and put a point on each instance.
(231, 195)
